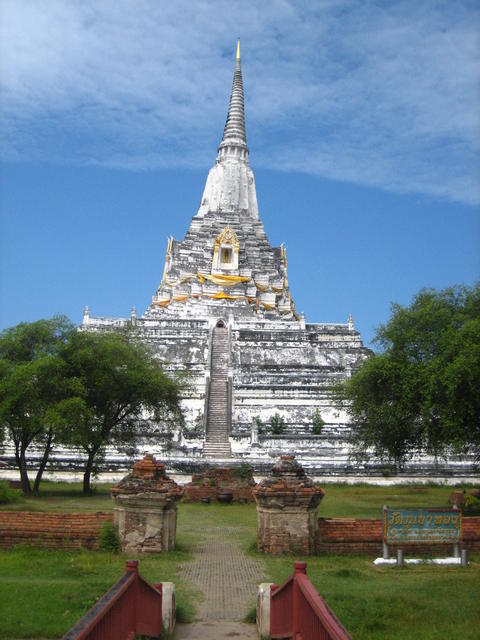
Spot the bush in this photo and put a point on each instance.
(7, 494)
(108, 539)
(190, 433)
(243, 471)
(471, 506)
(251, 616)
(259, 424)
(277, 424)
(317, 422)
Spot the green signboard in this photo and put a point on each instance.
(421, 525)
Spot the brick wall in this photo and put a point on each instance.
(52, 530)
(471, 533)
(206, 485)
(77, 530)
(197, 493)
(356, 536)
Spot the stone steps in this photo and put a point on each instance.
(217, 449)
(216, 442)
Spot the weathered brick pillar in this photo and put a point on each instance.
(146, 508)
(287, 509)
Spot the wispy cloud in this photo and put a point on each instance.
(382, 94)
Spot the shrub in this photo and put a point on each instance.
(251, 616)
(108, 539)
(190, 433)
(243, 470)
(277, 424)
(259, 424)
(471, 506)
(168, 441)
(317, 422)
(7, 494)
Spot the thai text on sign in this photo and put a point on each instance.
(421, 525)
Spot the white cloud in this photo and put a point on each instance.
(350, 90)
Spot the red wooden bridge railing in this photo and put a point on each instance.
(131, 607)
(298, 612)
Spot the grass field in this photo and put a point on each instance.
(65, 497)
(42, 593)
(414, 603)
(341, 500)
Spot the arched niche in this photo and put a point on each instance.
(225, 252)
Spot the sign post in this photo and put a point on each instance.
(421, 526)
(385, 549)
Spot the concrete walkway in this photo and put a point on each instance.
(228, 580)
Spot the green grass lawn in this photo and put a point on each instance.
(195, 520)
(366, 501)
(414, 603)
(66, 497)
(43, 593)
(340, 501)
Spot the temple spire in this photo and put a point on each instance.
(230, 184)
(234, 133)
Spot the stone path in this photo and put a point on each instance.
(227, 577)
(216, 630)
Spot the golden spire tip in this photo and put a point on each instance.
(238, 49)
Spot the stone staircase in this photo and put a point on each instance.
(216, 442)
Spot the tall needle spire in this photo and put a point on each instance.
(234, 132)
(230, 184)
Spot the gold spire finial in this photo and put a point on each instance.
(238, 49)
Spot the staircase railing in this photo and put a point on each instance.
(206, 404)
(131, 607)
(229, 404)
(298, 612)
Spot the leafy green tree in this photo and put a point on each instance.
(33, 389)
(123, 388)
(420, 392)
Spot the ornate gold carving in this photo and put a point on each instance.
(228, 238)
(168, 257)
(222, 280)
(221, 295)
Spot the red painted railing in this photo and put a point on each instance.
(131, 607)
(298, 612)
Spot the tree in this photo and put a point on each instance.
(123, 388)
(421, 391)
(33, 388)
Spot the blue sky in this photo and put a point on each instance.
(363, 123)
